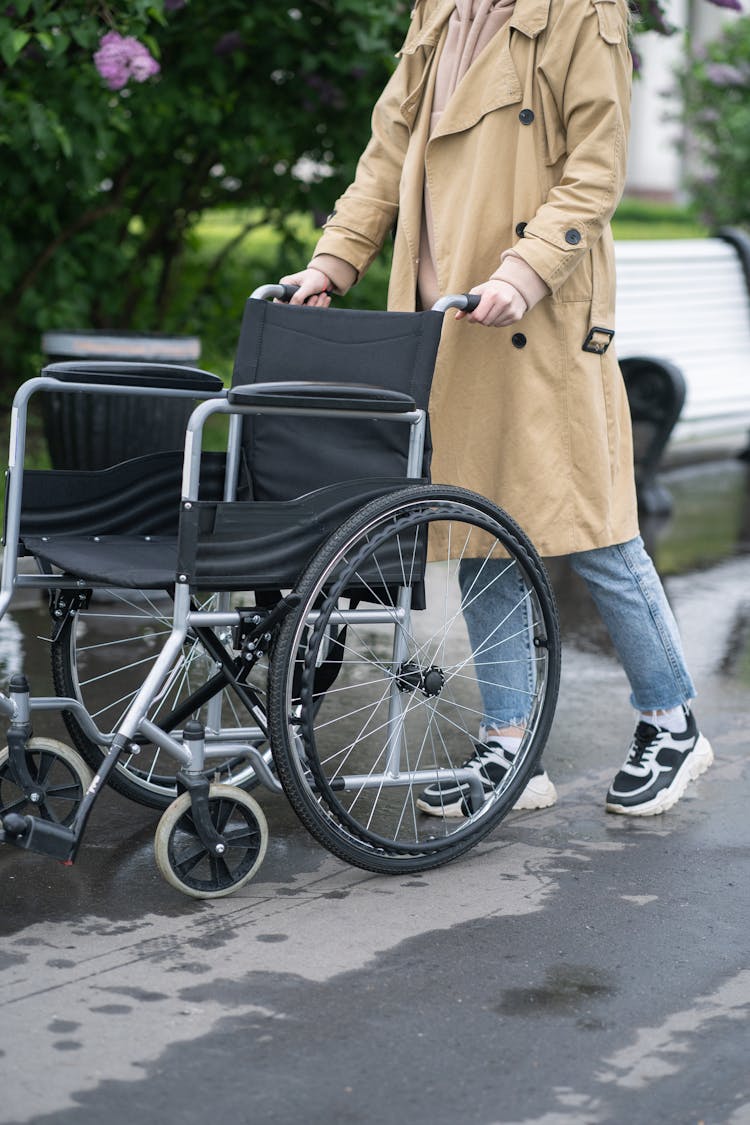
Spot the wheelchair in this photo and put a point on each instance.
(286, 613)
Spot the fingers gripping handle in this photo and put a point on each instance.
(278, 292)
(287, 291)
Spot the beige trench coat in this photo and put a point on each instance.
(529, 154)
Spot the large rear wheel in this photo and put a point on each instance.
(403, 713)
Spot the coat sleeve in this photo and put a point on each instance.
(591, 93)
(362, 217)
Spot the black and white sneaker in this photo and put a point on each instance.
(450, 798)
(491, 761)
(658, 769)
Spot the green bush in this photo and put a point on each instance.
(715, 89)
(107, 165)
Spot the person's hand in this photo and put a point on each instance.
(312, 287)
(501, 305)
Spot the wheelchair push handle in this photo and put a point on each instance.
(467, 302)
(278, 292)
(287, 292)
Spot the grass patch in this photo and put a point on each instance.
(642, 218)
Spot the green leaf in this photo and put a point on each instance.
(12, 45)
(63, 138)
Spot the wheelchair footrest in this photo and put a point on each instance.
(36, 835)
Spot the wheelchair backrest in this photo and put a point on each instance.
(289, 456)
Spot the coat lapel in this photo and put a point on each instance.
(428, 35)
(427, 39)
(490, 83)
(492, 80)
(530, 17)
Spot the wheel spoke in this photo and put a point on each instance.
(20, 803)
(41, 766)
(70, 792)
(190, 861)
(247, 839)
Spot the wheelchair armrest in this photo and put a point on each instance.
(326, 396)
(169, 376)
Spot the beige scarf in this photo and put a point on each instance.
(470, 28)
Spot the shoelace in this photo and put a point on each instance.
(488, 753)
(644, 745)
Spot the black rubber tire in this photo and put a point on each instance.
(159, 791)
(297, 761)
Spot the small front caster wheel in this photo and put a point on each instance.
(190, 866)
(60, 776)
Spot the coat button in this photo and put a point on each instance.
(573, 236)
(520, 228)
(526, 116)
(518, 340)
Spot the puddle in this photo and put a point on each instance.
(710, 520)
(566, 990)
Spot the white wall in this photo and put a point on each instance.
(654, 166)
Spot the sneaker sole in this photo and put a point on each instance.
(698, 762)
(540, 793)
(455, 811)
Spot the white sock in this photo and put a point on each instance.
(672, 720)
(507, 741)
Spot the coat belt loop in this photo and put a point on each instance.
(599, 334)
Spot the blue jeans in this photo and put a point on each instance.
(630, 598)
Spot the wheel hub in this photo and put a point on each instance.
(411, 677)
(433, 681)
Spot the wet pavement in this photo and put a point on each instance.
(575, 968)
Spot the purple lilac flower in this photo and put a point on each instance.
(228, 43)
(121, 58)
(708, 116)
(724, 74)
(734, 5)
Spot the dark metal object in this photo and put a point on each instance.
(656, 392)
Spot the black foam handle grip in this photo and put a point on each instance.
(472, 300)
(289, 291)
